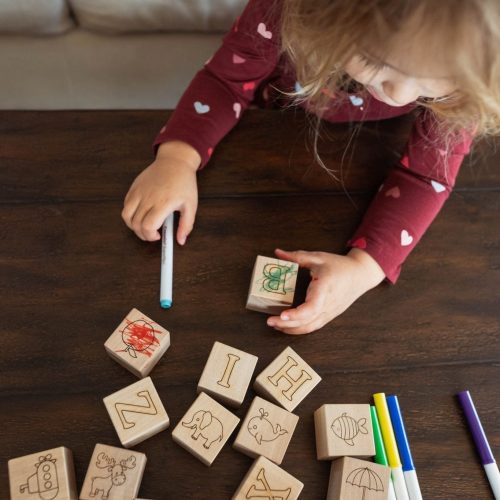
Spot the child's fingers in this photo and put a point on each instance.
(304, 329)
(301, 257)
(186, 222)
(153, 221)
(129, 208)
(137, 219)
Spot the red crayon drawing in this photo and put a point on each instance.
(140, 337)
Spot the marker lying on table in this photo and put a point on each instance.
(167, 259)
(380, 456)
(482, 445)
(409, 471)
(390, 446)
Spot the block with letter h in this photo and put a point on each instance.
(287, 380)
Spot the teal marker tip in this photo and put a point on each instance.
(166, 304)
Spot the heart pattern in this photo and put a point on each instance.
(356, 100)
(405, 161)
(237, 109)
(406, 238)
(438, 187)
(238, 59)
(248, 86)
(262, 31)
(163, 129)
(201, 108)
(394, 192)
(360, 243)
(210, 151)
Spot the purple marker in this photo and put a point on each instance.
(482, 445)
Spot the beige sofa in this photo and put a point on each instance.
(106, 54)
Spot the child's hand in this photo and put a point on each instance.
(336, 282)
(168, 184)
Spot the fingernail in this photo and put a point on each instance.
(284, 317)
(271, 323)
(183, 240)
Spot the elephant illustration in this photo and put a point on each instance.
(205, 425)
(262, 429)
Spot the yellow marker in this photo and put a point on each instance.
(390, 446)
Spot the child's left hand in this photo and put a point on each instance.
(336, 282)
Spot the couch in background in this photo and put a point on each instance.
(106, 54)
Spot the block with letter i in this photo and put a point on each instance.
(205, 428)
(266, 480)
(287, 380)
(138, 343)
(227, 374)
(137, 412)
(47, 474)
(272, 286)
(354, 479)
(113, 473)
(343, 430)
(267, 430)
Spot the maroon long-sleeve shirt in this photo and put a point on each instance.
(248, 67)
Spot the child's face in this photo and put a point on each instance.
(390, 85)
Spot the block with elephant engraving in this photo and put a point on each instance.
(137, 412)
(205, 428)
(266, 430)
(287, 380)
(343, 430)
(227, 374)
(113, 473)
(272, 286)
(267, 480)
(47, 474)
(138, 343)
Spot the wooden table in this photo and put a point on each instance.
(71, 271)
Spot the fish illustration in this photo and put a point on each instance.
(347, 428)
(262, 429)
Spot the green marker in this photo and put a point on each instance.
(380, 455)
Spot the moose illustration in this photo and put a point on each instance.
(115, 478)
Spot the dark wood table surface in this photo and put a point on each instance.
(71, 270)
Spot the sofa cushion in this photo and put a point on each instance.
(118, 16)
(34, 17)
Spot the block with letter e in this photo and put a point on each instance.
(272, 286)
(287, 380)
(227, 374)
(137, 412)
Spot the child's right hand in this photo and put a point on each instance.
(168, 184)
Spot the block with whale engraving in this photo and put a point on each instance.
(343, 430)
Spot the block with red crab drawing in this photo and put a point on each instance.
(138, 343)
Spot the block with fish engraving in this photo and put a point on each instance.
(272, 286)
(353, 479)
(138, 343)
(266, 431)
(343, 430)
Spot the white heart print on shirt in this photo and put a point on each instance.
(438, 187)
(201, 108)
(237, 109)
(356, 100)
(406, 238)
(262, 31)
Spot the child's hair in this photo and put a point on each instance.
(321, 36)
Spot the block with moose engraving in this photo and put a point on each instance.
(205, 428)
(266, 430)
(343, 430)
(138, 343)
(353, 479)
(227, 374)
(47, 474)
(266, 480)
(272, 286)
(113, 473)
(137, 412)
(287, 380)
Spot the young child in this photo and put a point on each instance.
(343, 60)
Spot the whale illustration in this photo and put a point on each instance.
(262, 429)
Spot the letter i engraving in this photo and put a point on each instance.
(295, 383)
(231, 362)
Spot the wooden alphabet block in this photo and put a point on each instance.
(227, 374)
(137, 412)
(138, 343)
(272, 286)
(287, 380)
(354, 479)
(48, 474)
(113, 473)
(205, 428)
(266, 480)
(343, 430)
(267, 430)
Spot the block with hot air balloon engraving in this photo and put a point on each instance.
(343, 430)
(266, 431)
(354, 479)
(138, 343)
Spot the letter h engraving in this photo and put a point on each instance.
(295, 383)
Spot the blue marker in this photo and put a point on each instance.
(409, 471)
(167, 261)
